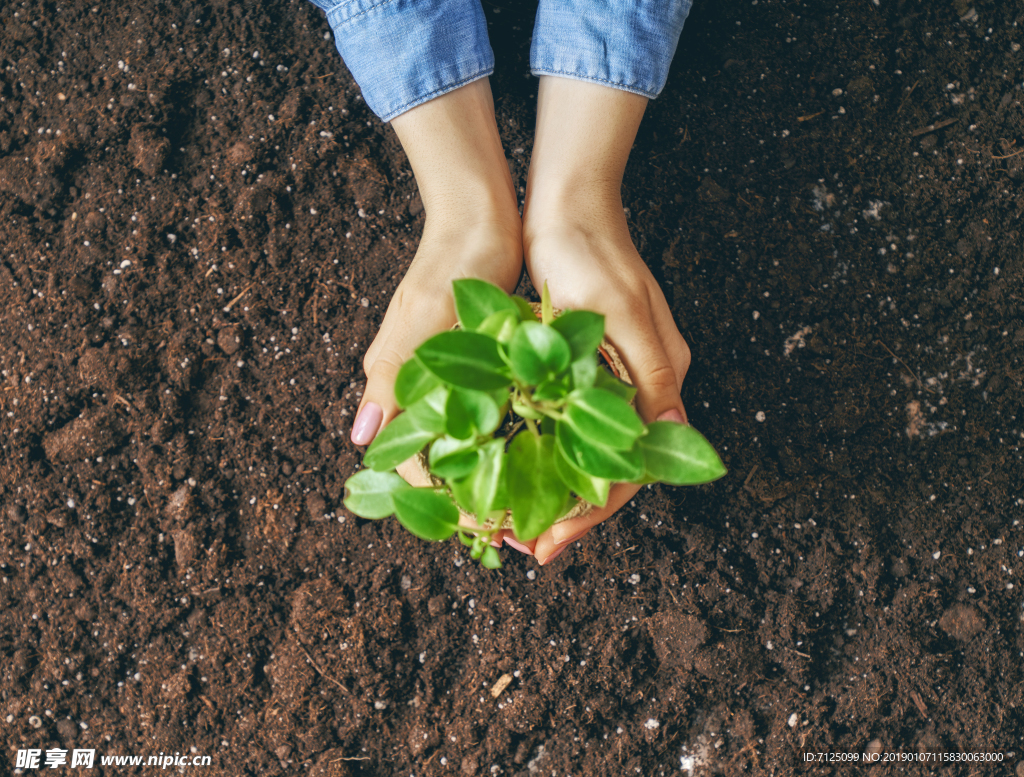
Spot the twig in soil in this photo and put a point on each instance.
(1007, 156)
(798, 652)
(916, 697)
(809, 116)
(932, 127)
(232, 303)
(316, 666)
(752, 471)
(914, 374)
(904, 100)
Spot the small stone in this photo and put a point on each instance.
(229, 340)
(88, 436)
(861, 89)
(240, 153)
(95, 222)
(316, 506)
(874, 747)
(709, 191)
(962, 622)
(184, 547)
(149, 150)
(793, 720)
(67, 730)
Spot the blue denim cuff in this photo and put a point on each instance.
(405, 52)
(626, 44)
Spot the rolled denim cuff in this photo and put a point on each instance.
(405, 52)
(625, 44)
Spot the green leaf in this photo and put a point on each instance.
(465, 359)
(599, 460)
(413, 382)
(584, 371)
(605, 380)
(428, 412)
(525, 309)
(368, 493)
(426, 513)
(604, 418)
(525, 411)
(535, 490)
(490, 559)
(451, 458)
(478, 491)
(399, 440)
(471, 412)
(552, 389)
(679, 455)
(475, 300)
(500, 325)
(537, 352)
(594, 490)
(582, 329)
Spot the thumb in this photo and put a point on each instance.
(652, 371)
(378, 405)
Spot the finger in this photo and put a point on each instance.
(403, 330)
(649, 365)
(557, 538)
(378, 404)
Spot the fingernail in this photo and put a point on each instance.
(672, 415)
(367, 423)
(519, 546)
(554, 555)
(573, 538)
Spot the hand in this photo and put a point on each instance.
(472, 230)
(597, 268)
(576, 239)
(423, 306)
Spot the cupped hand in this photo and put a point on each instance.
(597, 268)
(423, 306)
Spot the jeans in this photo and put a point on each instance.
(405, 52)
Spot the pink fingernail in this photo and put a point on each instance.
(554, 555)
(367, 423)
(519, 546)
(573, 538)
(672, 415)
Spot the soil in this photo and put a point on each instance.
(201, 227)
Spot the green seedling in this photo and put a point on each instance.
(516, 415)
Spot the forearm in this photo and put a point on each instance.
(584, 135)
(455, 151)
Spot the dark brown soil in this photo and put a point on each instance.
(201, 226)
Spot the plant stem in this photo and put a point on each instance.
(532, 426)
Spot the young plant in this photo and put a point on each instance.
(514, 415)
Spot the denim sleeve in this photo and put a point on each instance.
(626, 44)
(406, 52)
